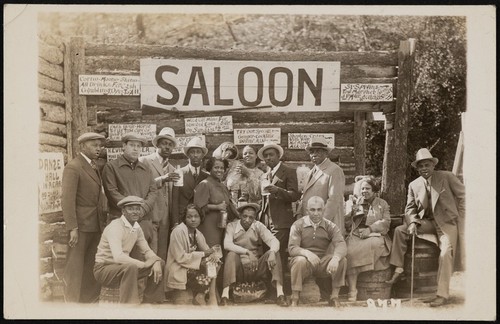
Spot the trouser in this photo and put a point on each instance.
(446, 242)
(234, 272)
(163, 238)
(80, 284)
(300, 269)
(126, 276)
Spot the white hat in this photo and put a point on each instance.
(167, 133)
(268, 145)
(195, 142)
(318, 143)
(423, 154)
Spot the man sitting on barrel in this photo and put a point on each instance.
(113, 264)
(435, 208)
(245, 258)
(317, 248)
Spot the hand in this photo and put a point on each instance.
(222, 206)
(254, 262)
(149, 262)
(313, 258)
(412, 229)
(271, 261)
(212, 258)
(171, 176)
(208, 252)
(156, 271)
(272, 189)
(73, 237)
(365, 232)
(332, 266)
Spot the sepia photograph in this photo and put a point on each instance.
(249, 162)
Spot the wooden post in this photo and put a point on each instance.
(76, 105)
(395, 154)
(360, 142)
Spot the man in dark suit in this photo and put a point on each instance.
(194, 150)
(82, 205)
(435, 211)
(282, 190)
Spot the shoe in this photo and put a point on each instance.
(395, 277)
(199, 300)
(281, 301)
(224, 301)
(334, 302)
(295, 303)
(429, 300)
(352, 296)
(439, 301)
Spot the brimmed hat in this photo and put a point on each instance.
(268, 145)
(244, 205)
(90, 136)
(134, 137)
(130, 200)
(167, 133)
(423, 154)
(195, 142)
(226, 146)
(318, 143)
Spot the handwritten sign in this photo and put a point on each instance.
(116, 131)
(357, 92)
(50, 167)
(256, 135)
(111, 85)
(300, 140)
(182, 141)
(114, 152)
(215, 124)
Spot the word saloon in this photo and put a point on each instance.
(214, 85)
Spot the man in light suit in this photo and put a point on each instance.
(276, 212)
(193, 174)
(435, 211)
(164, 175)
(326, 180)
(82, 205)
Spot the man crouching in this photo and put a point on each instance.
(113, 264)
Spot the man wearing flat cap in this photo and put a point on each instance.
(245, 259)
(164, 175)
(326, 180)
(435, 211)
(127, 176)
(114, 267)
(82, 202)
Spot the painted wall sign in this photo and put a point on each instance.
(182, 140)
(218, 85)
(50, 167)
(300, 140)
(111, 85)
(356, 92)
(116, 131)
(215, 124)
(256, 135)
(114, 152)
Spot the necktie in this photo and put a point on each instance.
(195, 173)
(313, 172)
(164, 164)
(94, 166)
(429, 197)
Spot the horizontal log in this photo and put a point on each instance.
(50, 231)
(367, 106)
(47, 83)
(374, 57)
(118, 117)
(115, 102)
(45, 265)
(50, 148)
(50, 70)
(52, 128)
(298, 127)
(53, 113)
(51, 96)
(367, 71)
(50, 53)
(45, 249)
(51, 39)
(54, 217)
(61, 236)
(52, 140)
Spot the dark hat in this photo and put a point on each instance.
(130, 200)
(134, 137)
(90, 136)
(256, 207)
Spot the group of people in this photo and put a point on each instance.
(146, 228)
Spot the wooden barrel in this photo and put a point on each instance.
(310, 291)
(109, 295)
(371, 284)
(424, 272)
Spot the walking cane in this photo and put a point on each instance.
(412, 266)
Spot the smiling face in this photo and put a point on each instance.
(132, 150)
(217, 170)
(91, 148)
(249, 156)
(366, 190)
(164, 147)
(247, 217)
(317, 155)
(132, 213)
(193, 219)
(271, 157)
(315, 208)
(195, 155)
(425, 168)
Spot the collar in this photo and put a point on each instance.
(239, 227)
(429, 180)
(308, 222)
(123, 161)
(193, 169)
(322, 164)
(275, 169)
(86, 158)
(127, 224)
(160, 158)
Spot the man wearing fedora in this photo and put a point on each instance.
(127, 176)
(245, 259)
(193, 174)
(114, 265)
(326, 180)
(435, 211)
(82, 206)
(164, 175)
(279, 194)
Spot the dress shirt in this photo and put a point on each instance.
(86, 158)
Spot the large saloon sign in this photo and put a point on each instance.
(214, 85)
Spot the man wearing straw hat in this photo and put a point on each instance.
(193, 174)
(435, 211)
(164, 175)
(82, 206)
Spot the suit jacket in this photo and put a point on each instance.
(327, 183)
(182, 196)
(83, 200)
(280, 204)
(448, 207)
